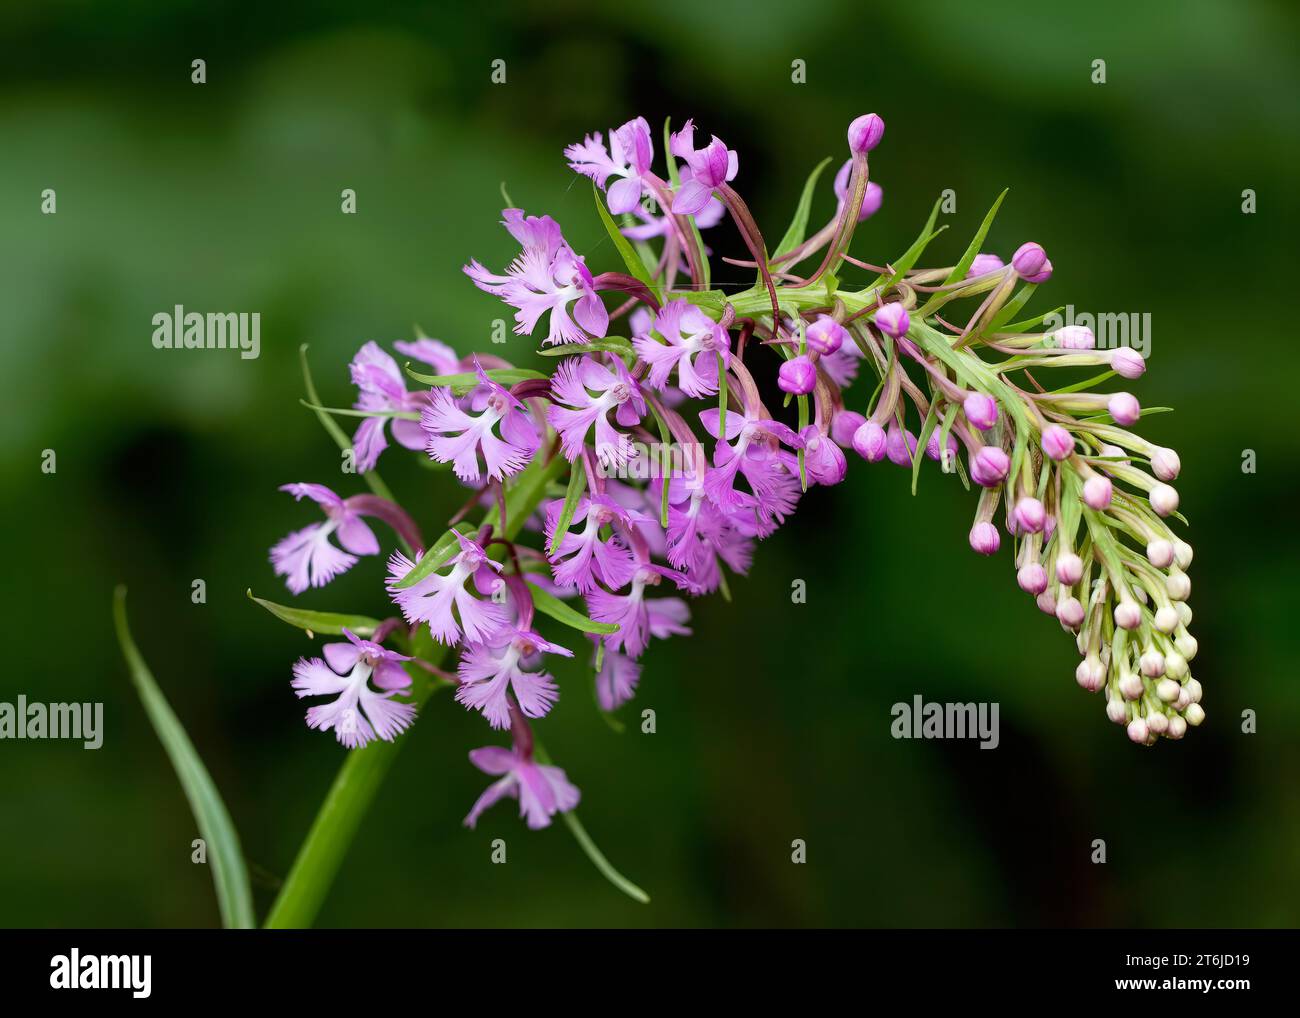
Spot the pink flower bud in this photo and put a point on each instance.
(981, 410)
(844, 424)
(932, 447)
(1160, 553)
(1069, 568)
(1164, 499)
(1152, 663)
(1158, 723)
(1124, 408)
(1070, 613)
(1056, 442)
(1073, 337)
(1029, 259)
(1126, 361)
(865, 133)
(1116, 711)
(872, 198)
(983, 264)
(1032, 578)
(989, 466)
(797, 376)
(825, 335)
(1097, 491)
(1128, 615)
(1177, 727)
(1137, 731)
(900, 445)
(1090, 674)
(984, 538)
(1165, 464)
(1042, 275)
(1028, 516)
(893, 320)
(1131, 686)
(870, 443)
(1046, 603)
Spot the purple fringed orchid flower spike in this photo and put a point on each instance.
(577, 516)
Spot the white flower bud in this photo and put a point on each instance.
(1117, 712)
(1177, 727)
(1185, 614)
(1175, 666)
(1158, 723)
(1182, 554)
(1137, 730)
(1140, 592)
(1165, 464)
(1168, 690)
(1128, 615)
(1090, 674)
(1152, 663)
(1194, 714)
(1184, 699)
(1178, 584)
(1193, 688)
(1167, 618)
(1164, 499)
(1160, 553)
(1131, 685)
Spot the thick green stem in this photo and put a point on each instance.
(364, 770)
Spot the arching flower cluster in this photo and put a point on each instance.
(644, 468)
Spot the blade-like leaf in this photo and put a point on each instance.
(910, 256)
(577, 485)
(549, 604)
(630, 258)
(960, 269)
(588, 846)
(610, 344)
(329, 623)
(464, 381)
(229, 874)
(435, 558)
(798, 228)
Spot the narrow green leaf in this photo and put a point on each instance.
(630, 258)
(588, 846)
(229, 874)
(435, 558)
(1011, 308)
(798, 228)
(408, 415)
(927, 426)
(1028, 323)
(960, 269)
(610, 344)
(549, 604)
(910, 256)
(328, 623)
(463, 382)
(577, 485)
(1086, 384)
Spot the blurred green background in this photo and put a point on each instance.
(773, 719)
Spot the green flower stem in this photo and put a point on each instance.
(364, 770)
